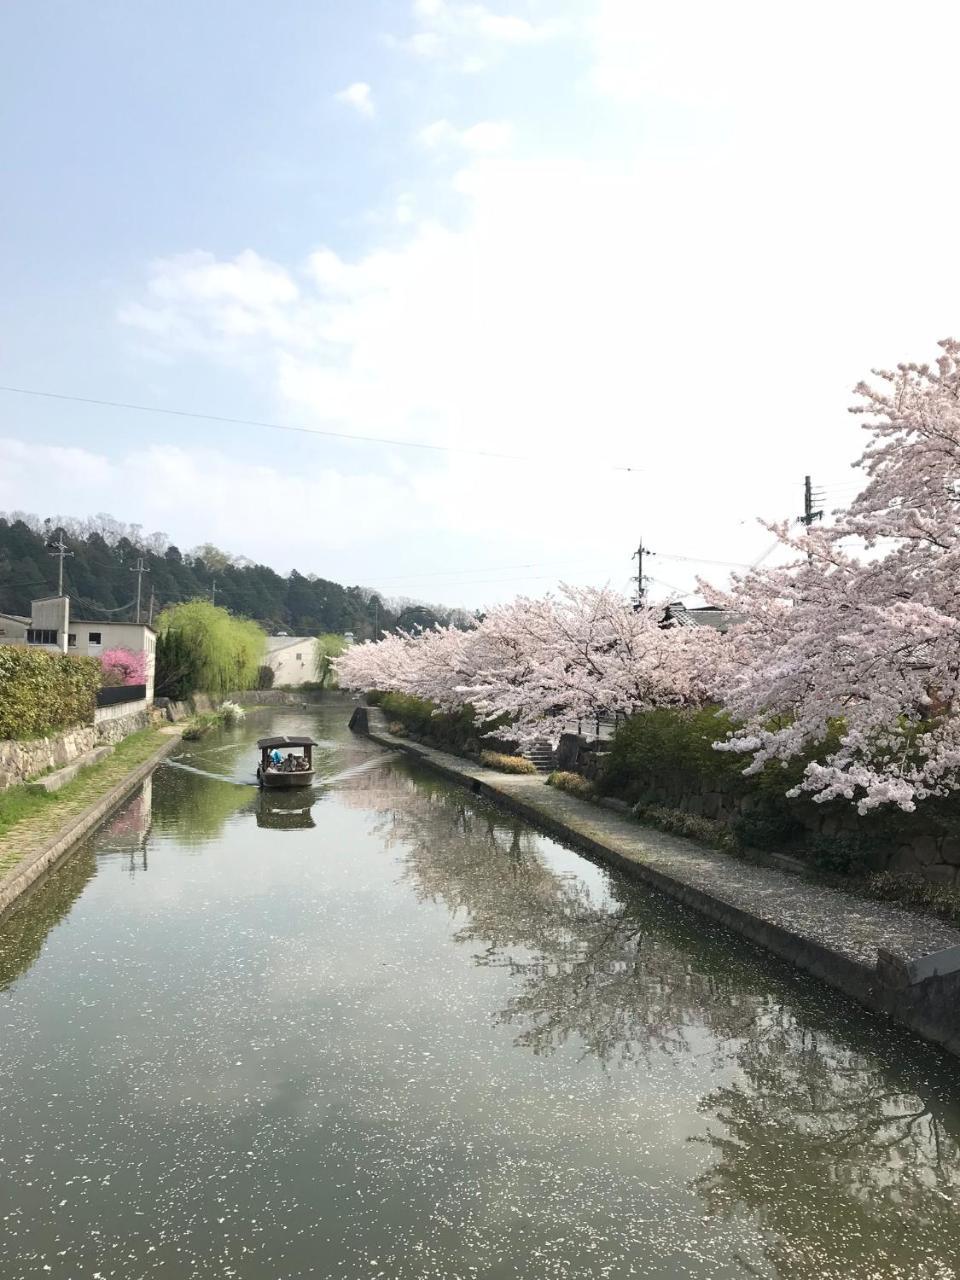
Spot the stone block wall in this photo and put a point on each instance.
(20, 761)
(923, 849)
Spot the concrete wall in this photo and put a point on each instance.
(119, 711)
(177, 711)
(20, 761)
(13, 630)
(52, 614)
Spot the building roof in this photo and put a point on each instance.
(16, 617)
(99, 622)
(701, 616)
(275, 643)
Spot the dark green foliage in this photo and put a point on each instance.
(847, 854)
(173, 667)
(771, 824)
(678, 823)
(669, 741)
(265, 676)
(41, 692)
(98, 577)
(454, 731)
(941, 900)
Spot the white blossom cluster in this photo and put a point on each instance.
(852, 652)
(545, 662)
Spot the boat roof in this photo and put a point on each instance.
(286, 742)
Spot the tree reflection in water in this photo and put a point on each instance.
(840, 1134)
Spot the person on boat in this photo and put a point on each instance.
(275, 758)
(289, 764)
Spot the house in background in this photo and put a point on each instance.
(705, 615)
(51, 627)
(291, 658)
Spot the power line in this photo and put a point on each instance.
(13, 586)
(99, 608)
(725, 564)
(284, 426)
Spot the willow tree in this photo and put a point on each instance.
(326, 649)
(204, 649)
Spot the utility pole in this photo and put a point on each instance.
(150, 615)
(59, 548)
(809, 513)
(139, 569)
(638, 555)
(213, 597)
(376, 616)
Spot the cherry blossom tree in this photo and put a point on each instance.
(543, 663)
(852, 651)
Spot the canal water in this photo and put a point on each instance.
(380, 1029)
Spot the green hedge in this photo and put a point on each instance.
(669, 740)
(454, 731)
(41, 692)
(677, 745)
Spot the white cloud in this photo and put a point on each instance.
(359, 96)
(471, 33)
(304, 516)
(487, 137)
(695, 298)
(196, 302)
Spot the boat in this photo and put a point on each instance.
(282, 775)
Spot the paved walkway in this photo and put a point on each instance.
(838, 936)
(33, 846)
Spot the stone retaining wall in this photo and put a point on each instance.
(22, 760)
(925, 850)
(280, 697)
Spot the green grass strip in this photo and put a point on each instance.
(29, 817)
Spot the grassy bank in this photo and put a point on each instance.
(27, 815)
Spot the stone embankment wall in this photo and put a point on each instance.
(923, 850)
(286, 697)
(22, 760)
(177, 711)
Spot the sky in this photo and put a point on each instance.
(619, 264)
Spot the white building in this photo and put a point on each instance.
(291, 659)
(51, 627)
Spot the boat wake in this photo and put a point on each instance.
(205, 773)
(365, 767)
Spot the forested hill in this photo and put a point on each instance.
(99, 578)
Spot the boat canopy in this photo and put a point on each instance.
(265, 744)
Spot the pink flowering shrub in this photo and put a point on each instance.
(123, 667)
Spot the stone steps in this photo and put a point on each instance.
(541, 755)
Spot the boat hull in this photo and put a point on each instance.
(279, 781)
